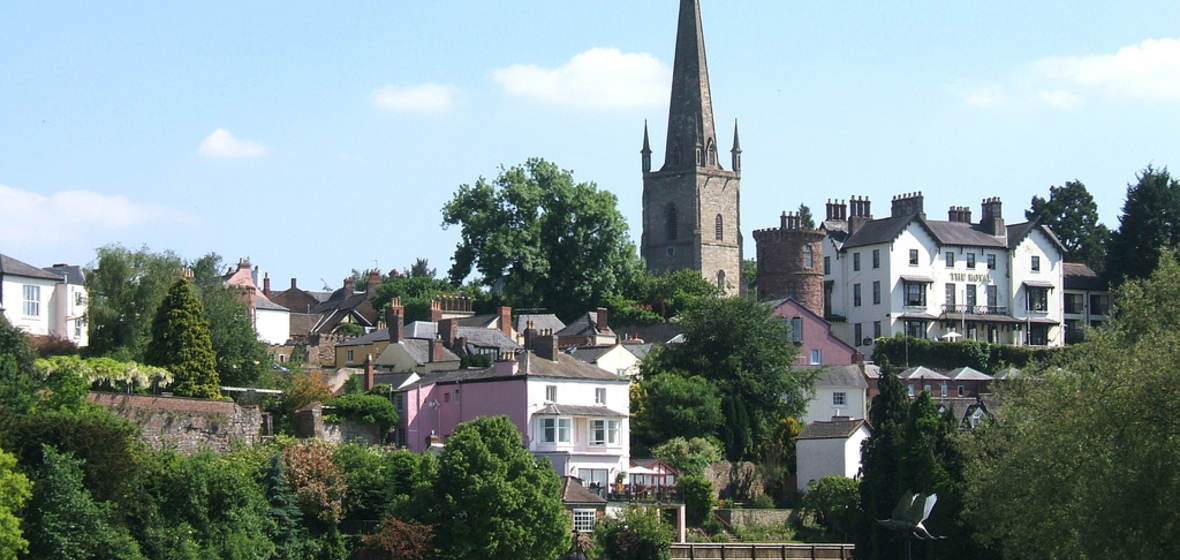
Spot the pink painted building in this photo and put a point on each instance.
(569, 411)
(813, 336)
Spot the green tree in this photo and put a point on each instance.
(746, 353)
(881, 476)
(1082, 456)
(1072, 215)
(64, 522)
(493, 499)
(286, 532)
(750, 276)
(638, 534)
(542, 240)
(836, 500)
(415, 292)
(805, 218)
(1150, 221)
(15, 490)
(688, 456)
(17, 385)
(125, 288)
(180, 343)
(699, 498)
(675, 405)
(398, 540)
(241, 357)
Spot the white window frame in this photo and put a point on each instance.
(816, 357)
(600, 395)
(584, 520)
(348, 356)
(551, 393)
(32, 300)
(839, 398)
(555, 430)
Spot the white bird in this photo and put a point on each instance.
(911, 511)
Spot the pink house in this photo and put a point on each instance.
(567, 410)
(813, 335)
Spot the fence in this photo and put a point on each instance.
(762, 551)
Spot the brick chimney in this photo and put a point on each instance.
(396, 320)
(505, 320)
(368, 382)
(448, 331)
(348, 286)
(374, 281)
(293, 285)
(860, 212)
(601, 320)
(506, 365)
(436, 313)
(909, 204)
(266, 285)
(837, 210)
(992, 217)
(959, 214)
(546, 347)
(530, 334)
(436, 350)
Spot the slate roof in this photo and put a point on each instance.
(566, 367)
(72, 274)
(477, 336)
(586, 324)
(588, 354)
(394, 379)
(574, 410)
(479, 321)
(658, 334)
(968, 374)
(419, 351)
(12, 267)
(573, 493)
(840, 376)
(542, 322)
(833, 429)
(371, 338)
(261, 302)
(341, 302)
(873, 232)
(303, 323)
(921, 372)
(1079, 277)
(1017, 233)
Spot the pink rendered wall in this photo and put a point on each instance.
(475, 399)
(817, 335)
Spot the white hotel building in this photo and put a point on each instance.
(940, 279)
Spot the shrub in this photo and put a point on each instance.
(698, 498)
(366, 409)
(637, 535)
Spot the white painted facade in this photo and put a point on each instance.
(597, 448)
(44, 302)
(817, 458)
(273, 325)
(28, 303)
(914, 283)
(833, 400)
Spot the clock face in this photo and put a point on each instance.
(671, 251)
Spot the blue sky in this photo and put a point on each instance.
(319, 138)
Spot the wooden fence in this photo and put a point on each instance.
(762, 551)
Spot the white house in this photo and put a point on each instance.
(941, 279)
(44, 302)
(617, 359)
(831, 447)
(272, 321)
(838, 391)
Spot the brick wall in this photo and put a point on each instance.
(782, 261)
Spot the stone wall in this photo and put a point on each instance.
(309, 423)
(755, 517)
(187, 425)
(782, 266)
(739, 481)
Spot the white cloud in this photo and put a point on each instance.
(223, 145)
(1059, 98)
(32, 219)
(599, 78)
(425, 98)
(985, 96)
(1150, 69)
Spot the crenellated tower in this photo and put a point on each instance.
(691, 215)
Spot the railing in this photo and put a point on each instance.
(976, 309)
(638, 495)
(773, 551)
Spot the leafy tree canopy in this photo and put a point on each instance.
(1072, 215)
(508, 501)
(241, 356)
(14, 492)
(746, 354)
(125, 288)
(1150, 221)
(806, 220)
(676, 405)
(181, 344)
(1084, 448)
(539, 239)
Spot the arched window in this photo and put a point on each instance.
(720, 228)
(808, 257)
(671, 215)
(712, 149)
(721, 279)
(791, 292)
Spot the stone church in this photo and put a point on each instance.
(691, 215)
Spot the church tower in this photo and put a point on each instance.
(691, 216)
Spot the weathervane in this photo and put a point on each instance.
(911, 511)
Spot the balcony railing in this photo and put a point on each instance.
(637, 494)
(976, 309)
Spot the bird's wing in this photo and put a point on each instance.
(903, 505)
(913, 514)
(929, 505)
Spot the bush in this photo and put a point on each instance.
(366, 409)
(836, 500)
(698, 498)
(762, 501)
(637, 535)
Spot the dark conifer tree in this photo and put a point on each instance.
(181, 344)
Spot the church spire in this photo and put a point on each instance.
(736, 152)
(646, 151)
(691, 138)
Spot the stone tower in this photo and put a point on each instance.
(790, 263)
(691, 216)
